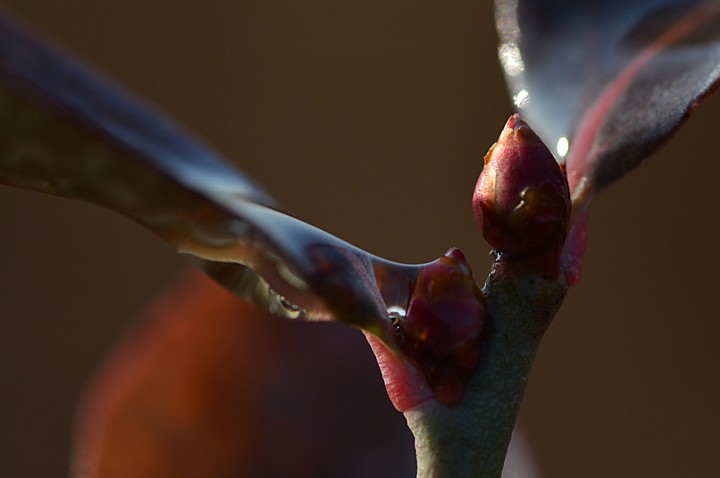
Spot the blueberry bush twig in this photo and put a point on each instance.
(176, 188)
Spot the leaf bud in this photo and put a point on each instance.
(444, 324)
(438, 339)
(522, 200)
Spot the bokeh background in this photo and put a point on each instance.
(370, 119)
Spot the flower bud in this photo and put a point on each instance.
(522, 200)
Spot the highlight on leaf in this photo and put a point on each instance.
(93, 142)
(606, 83)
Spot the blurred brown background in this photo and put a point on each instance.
(370, 120)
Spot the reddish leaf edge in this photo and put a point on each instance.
(581, 156)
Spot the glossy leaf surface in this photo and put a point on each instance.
(65, 131)
(606, 82)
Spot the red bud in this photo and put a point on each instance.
(522, 200)
(438, 338)
(444, 323)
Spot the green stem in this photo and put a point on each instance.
(471, 439)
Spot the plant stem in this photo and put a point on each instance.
(471, 439)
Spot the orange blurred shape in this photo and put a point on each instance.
(209, 386)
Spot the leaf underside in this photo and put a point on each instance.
(613, 78)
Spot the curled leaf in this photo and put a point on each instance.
(65, 131)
